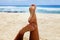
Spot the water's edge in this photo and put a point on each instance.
(25, 9)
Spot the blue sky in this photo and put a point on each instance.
(29, 2)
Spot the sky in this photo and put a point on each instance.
(29, 2)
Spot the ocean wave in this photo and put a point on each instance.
(14, 9)
(48, 10)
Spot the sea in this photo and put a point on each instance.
(55, 9)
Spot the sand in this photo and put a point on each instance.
(11, 23)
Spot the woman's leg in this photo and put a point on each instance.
(20, 35)
(33, 34)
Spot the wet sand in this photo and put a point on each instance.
(11, 23)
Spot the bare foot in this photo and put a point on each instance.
(32, 8)
(32, 18)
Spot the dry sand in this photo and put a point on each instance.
(11, 23)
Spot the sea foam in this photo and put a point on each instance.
(26, 9)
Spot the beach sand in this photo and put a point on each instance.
(11, 23)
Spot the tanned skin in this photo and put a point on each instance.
(32, 26)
